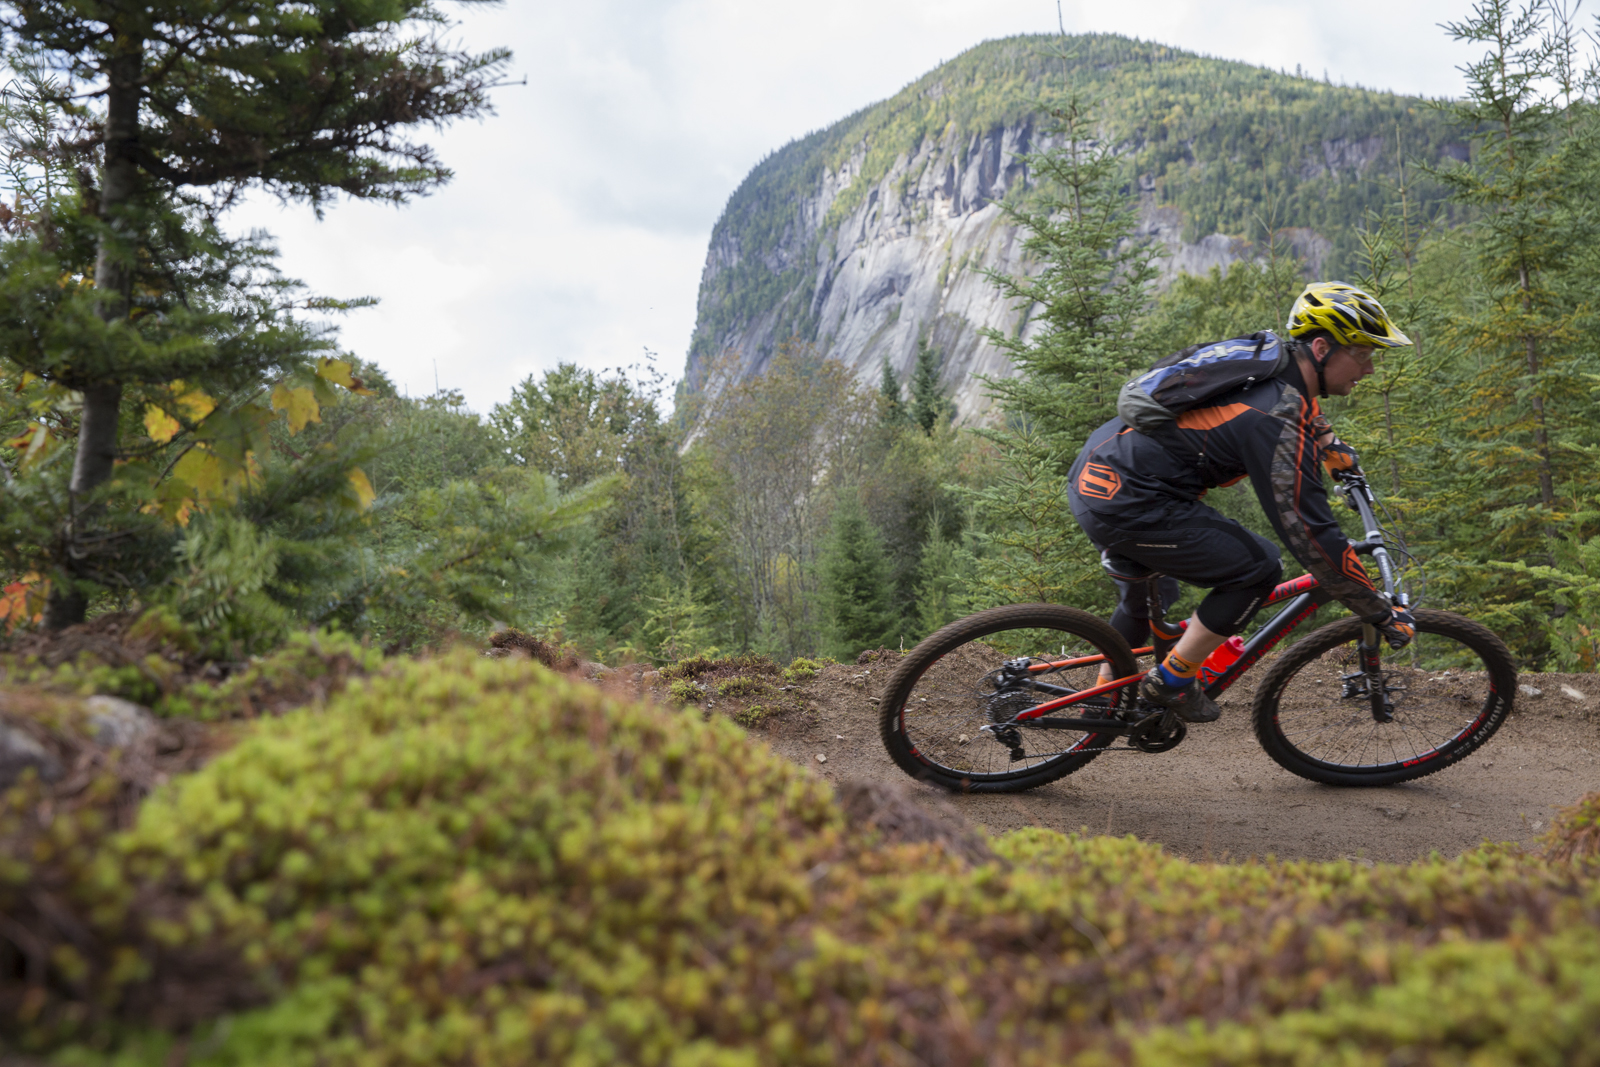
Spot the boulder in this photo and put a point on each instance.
(19, 752)
(117, 723)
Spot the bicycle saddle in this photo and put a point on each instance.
(1125, 569)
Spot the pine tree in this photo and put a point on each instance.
(303, 100)
(941, 585)
(1529, 182)
(1090, 302)
(856, 583)
(929, 406)
(891, 409)
(1087, 306)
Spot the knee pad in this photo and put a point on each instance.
(1228, 609)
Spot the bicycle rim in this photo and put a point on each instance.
(947, 690)
(1449, 690)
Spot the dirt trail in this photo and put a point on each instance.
(1218, 795)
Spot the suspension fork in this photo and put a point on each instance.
(1369, 656)
(1369, 652)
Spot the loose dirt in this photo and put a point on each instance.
(1218, 796)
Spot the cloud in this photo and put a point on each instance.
(576, 227)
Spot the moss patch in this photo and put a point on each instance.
(480, 861)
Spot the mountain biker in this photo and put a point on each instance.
(1140, 503)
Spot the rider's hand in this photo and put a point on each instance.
(1399, 628)
(1340, 458)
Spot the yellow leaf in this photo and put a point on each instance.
(159, 425)
(299, 405)
(201, 470)
(336, 371)
(194, 402)
(363, 487)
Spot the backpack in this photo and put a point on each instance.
(1196, 377)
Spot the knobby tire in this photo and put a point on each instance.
(1444, 710)
(939, 662)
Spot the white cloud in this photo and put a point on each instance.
(576, 227)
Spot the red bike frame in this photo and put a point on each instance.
(1304, 595)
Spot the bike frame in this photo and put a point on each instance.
(1304, 595)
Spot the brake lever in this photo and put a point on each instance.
(1368, 546)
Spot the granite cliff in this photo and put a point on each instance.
(875, 233)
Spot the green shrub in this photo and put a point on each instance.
(801, 670)
(698, 666)
(686, 692)
(740, 685)
(567, 874)
(751, 715)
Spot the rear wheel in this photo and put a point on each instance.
(1449, 691)
(951, 685)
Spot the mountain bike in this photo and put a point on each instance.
(1009, 699)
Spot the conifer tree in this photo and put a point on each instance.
(892, 410)
(856, 582)
(1529, 183)
(1090, 304)
(189, 103)
(1087, 306)
(929, 406)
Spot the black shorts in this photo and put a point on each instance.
(1196, 544)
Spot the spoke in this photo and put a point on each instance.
(1429, 712)
(956, 697)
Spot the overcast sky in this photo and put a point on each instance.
(577, 223)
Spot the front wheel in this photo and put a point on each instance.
(956, 682)
(1445, 694)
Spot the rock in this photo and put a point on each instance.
(821, 758)
(118, 723)
(1530, 691)
(19, 752)
(885, 237)
(1395, 813)
(1573, 695)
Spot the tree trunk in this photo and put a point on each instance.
(1541, 437)
(102, 400)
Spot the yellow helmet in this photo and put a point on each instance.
(1349, 315)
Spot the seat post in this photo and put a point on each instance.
(1123, 569)
(1162, 636)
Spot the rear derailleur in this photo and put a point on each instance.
(1011, 697)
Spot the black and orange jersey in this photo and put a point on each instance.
(1265, 433)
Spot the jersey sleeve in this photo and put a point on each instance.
(1284, 465)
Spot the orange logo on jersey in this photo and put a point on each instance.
(1098, 482)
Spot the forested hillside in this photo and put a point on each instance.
(873, 235)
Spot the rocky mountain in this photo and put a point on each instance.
(874, 234)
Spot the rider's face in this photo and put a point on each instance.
(1345, 366)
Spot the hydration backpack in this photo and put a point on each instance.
(1196, 377)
